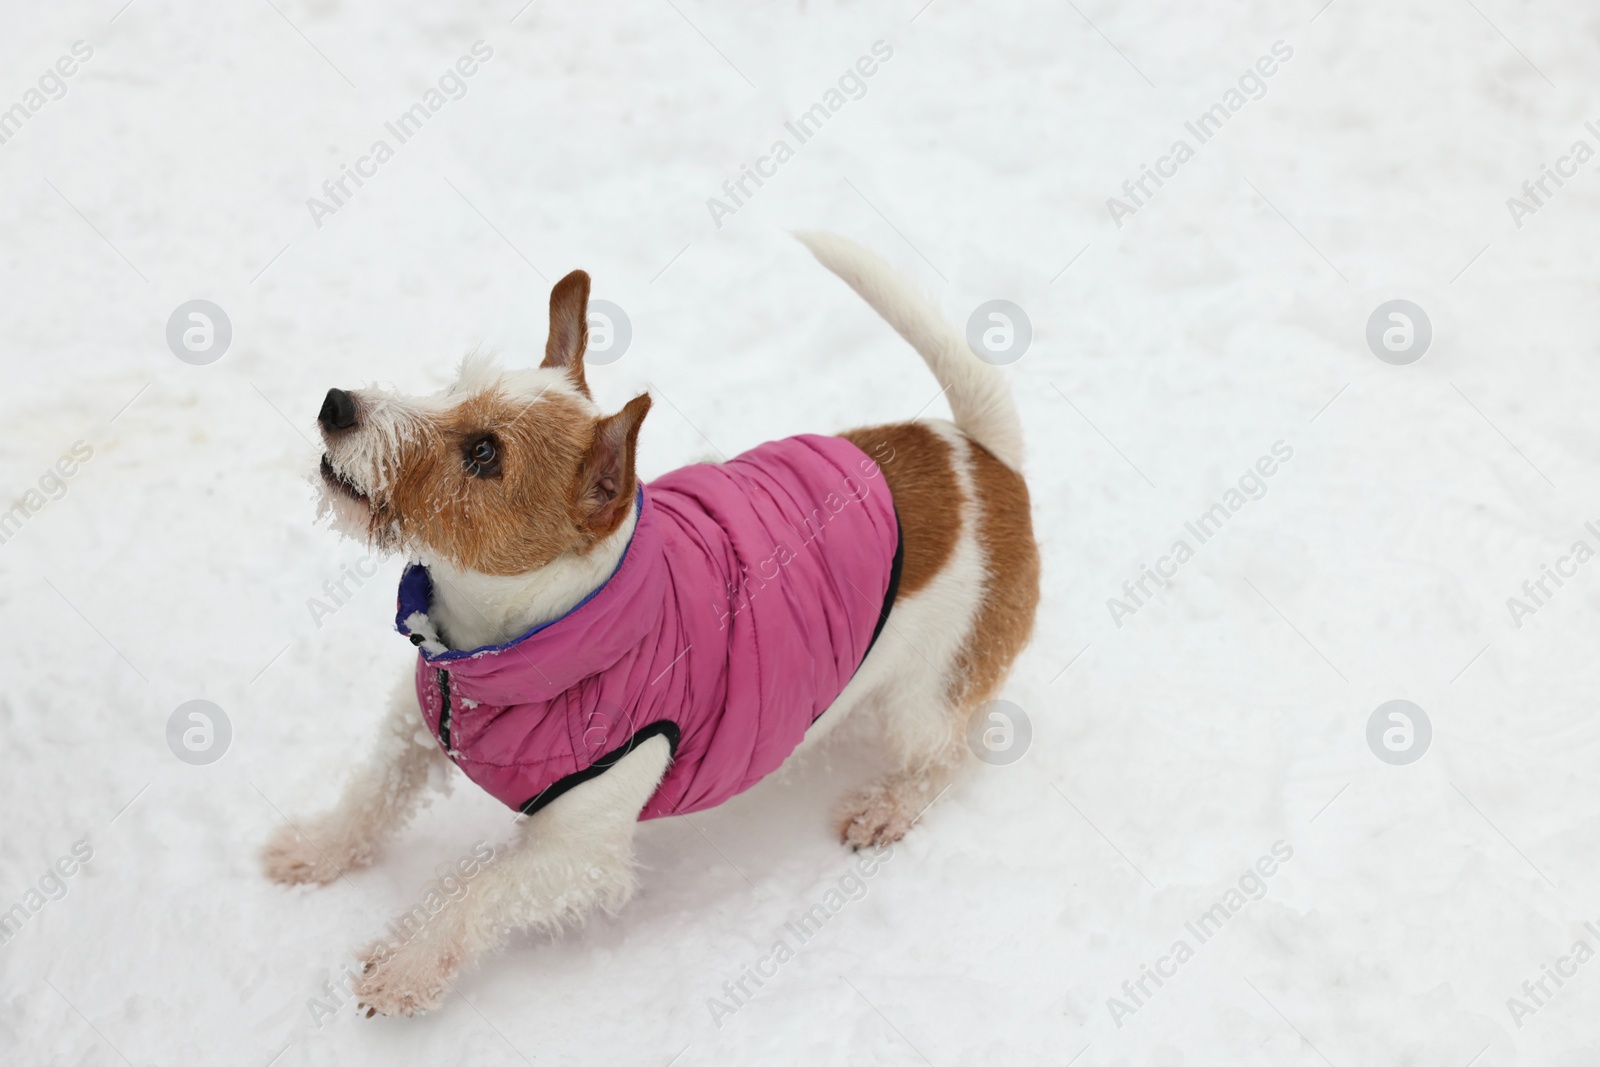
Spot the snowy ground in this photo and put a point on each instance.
(1225, 715)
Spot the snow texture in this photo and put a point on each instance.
(1176, 339)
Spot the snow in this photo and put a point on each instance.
(1170, 754)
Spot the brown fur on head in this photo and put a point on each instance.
(501, 473)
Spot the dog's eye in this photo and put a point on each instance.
(483, 457)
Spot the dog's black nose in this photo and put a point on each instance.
(338, 411)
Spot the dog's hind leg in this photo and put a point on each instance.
(950, 641)
(378, 800)
(568, 858)
(912, 670)
(927, 764)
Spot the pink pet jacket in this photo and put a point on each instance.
(750, 592)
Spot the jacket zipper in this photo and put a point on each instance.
(444, 710)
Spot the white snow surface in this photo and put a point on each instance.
(1169, 752)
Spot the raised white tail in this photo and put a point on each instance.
(980, 400)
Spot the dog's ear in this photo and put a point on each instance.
(606, 484)
(569, 327)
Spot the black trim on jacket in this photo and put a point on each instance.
(890, 593)
(603, 764)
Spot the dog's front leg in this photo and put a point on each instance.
(378, 800)
(568, 858)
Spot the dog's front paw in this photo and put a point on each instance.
(877, 816)
(406, 981)
(291, 858)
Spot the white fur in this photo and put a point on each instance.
(566, 860)
(576, 854)
(473, 609)
(978, 394)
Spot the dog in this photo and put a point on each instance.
(593, 651)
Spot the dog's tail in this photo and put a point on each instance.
(978, 394)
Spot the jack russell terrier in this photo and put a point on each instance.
(593, 651)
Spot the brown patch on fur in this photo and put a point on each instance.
(605, 485)
(918, 465)
(1011, 594)
(507, 523)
